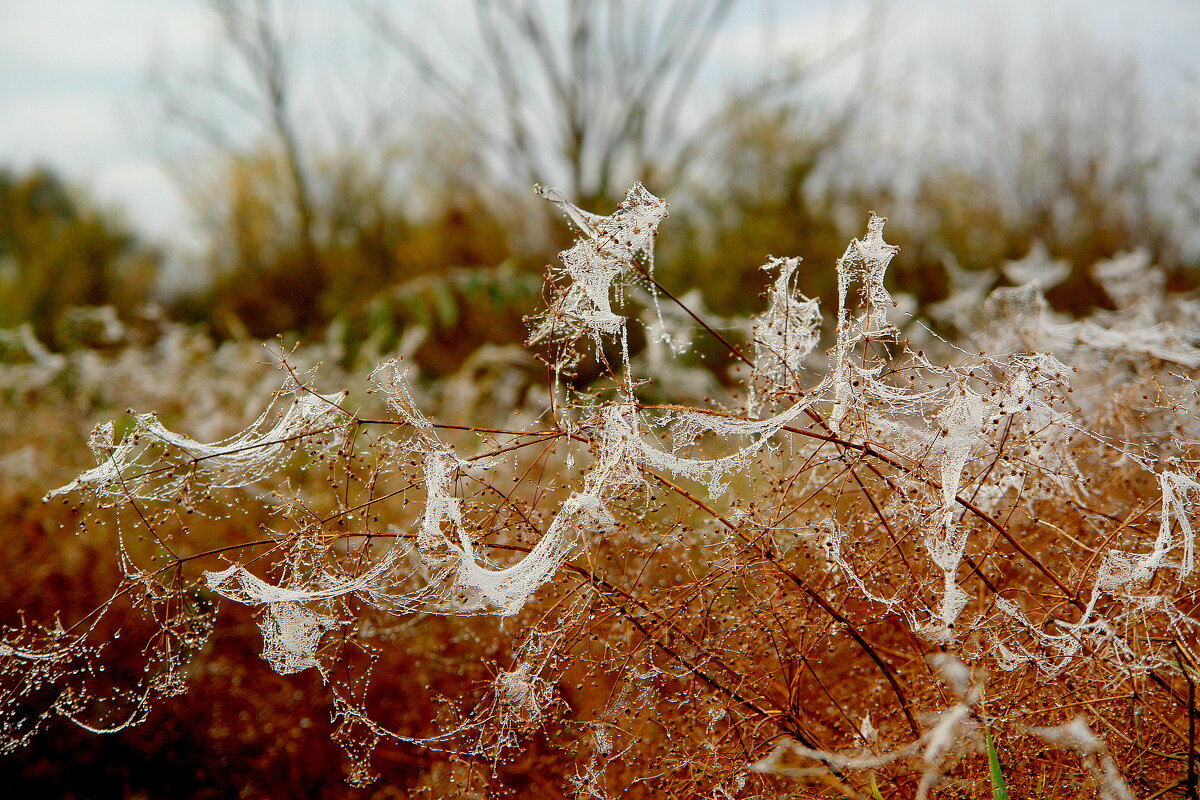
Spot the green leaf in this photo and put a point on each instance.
(999, 788)
(417, 309)
(444, 303)
(875, 790)
(122, 427)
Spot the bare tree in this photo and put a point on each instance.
(1067, 146)
(290, 171)
(251, 76)
(586, 93)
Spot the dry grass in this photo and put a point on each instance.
(834, 577)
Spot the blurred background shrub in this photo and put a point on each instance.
(59, 250)
(307, 224)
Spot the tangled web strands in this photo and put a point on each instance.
(600, 264)
(952, 733)
(155, 464)
(805, 502)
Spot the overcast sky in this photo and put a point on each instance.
(73, 72)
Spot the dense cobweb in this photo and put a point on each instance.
(824, 481)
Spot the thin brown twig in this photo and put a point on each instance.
(804, 587)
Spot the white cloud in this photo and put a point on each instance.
(802, 32)
(66, 35)
(76, 128)
(147, 194)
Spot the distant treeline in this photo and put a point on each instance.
(475, 258)
(431, 220)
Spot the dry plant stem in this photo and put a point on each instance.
(911, 462)
(779, 716)
(146, 523)
(1191, 780)
(976, 568)
(543, 436)
(506, 497)
(867, 449)
(1163, 792)
(804, 587)
(883, 519)
(180, 560)
(733, 350)
(969, 505)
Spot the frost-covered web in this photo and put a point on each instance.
(992, 505)
(788, 331)
(140, 466)
(1078, 736)
(599, 263)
